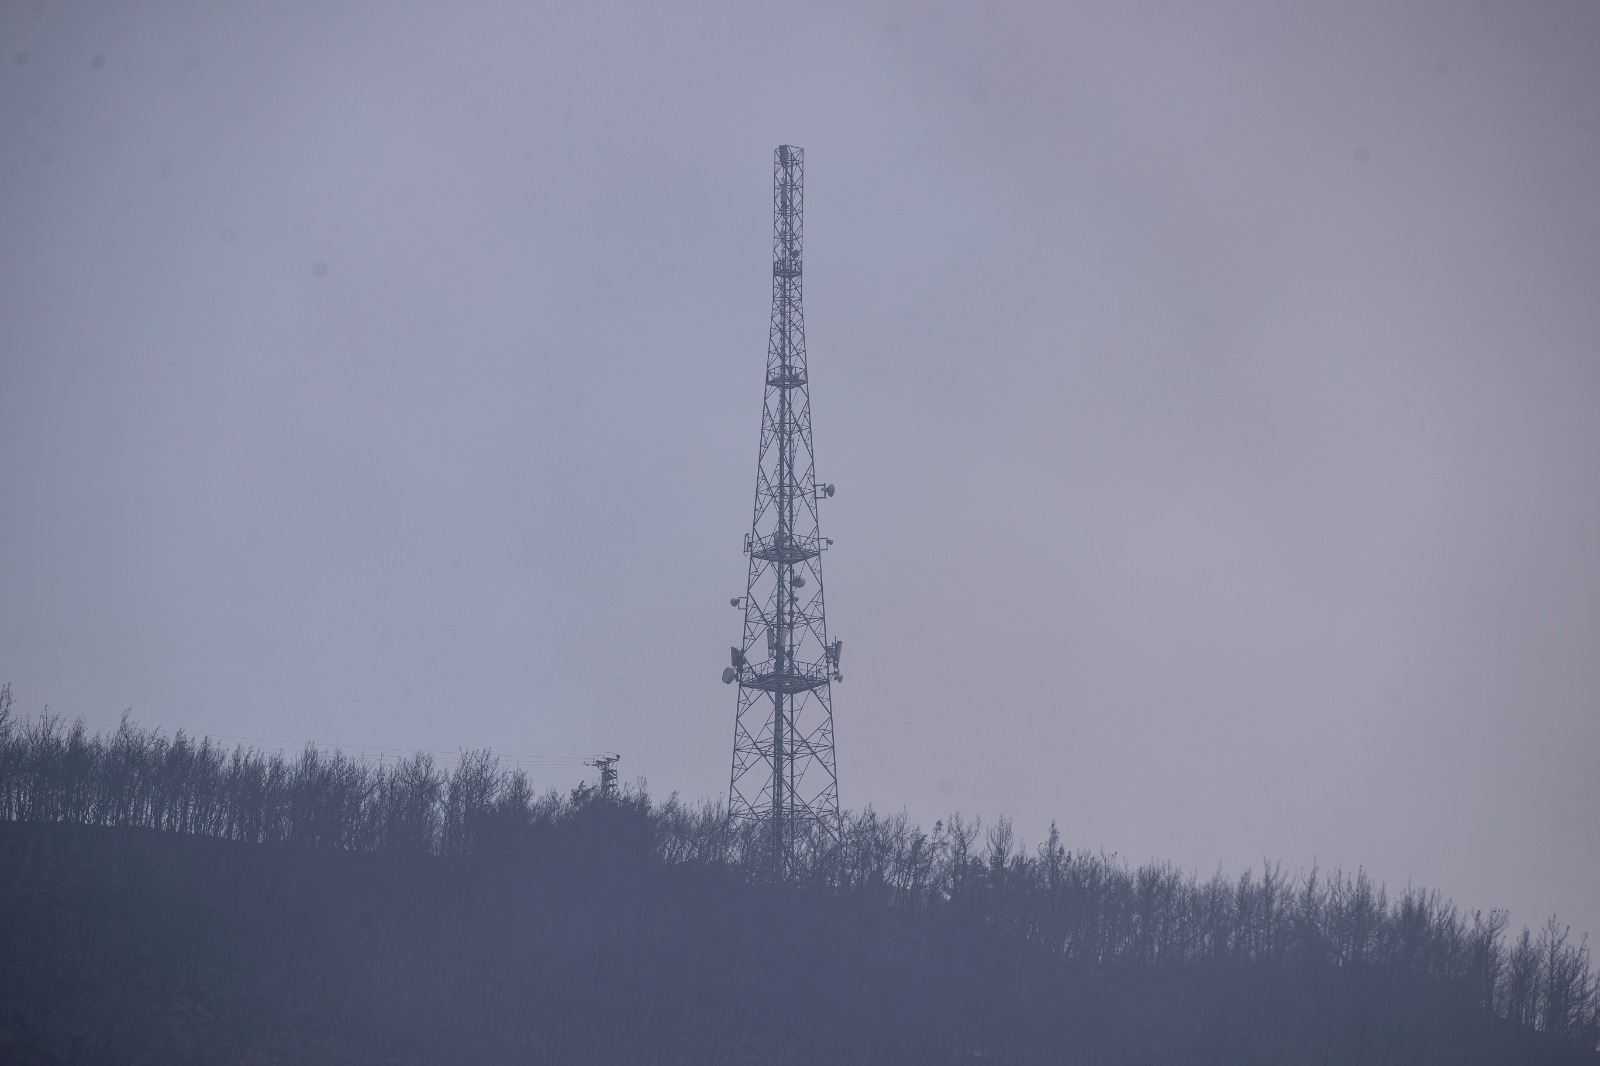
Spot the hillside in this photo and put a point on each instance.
(163, 900)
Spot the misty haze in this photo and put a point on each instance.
(427, 432)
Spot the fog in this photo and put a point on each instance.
(1211, 396)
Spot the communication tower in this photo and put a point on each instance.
(784, 782)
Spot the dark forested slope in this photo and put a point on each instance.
(167, 901)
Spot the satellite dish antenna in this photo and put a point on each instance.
(827, 490)
(729, 674)
(797, 580)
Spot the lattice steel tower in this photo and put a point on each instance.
(784, 783)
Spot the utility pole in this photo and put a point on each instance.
(784, 780)
(607, 765)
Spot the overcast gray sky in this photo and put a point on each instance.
(1211, 390)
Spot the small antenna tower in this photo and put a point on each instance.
(784, 779)
(607, 765)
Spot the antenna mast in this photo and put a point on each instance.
(784, 783)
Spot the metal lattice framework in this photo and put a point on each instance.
(785, 785)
